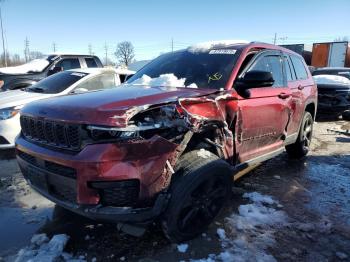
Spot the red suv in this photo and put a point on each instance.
(166, 144)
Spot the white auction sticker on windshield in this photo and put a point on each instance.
(222, 52)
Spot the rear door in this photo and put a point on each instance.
(299, 85)
(263, 118)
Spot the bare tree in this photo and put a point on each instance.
(12, 60)
(125, 52)
(16, 60)
(35, 55)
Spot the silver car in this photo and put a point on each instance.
(63, 83)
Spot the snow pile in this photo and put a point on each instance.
(36, 65)
(43, 249)
(331, 80)
(206, 46)
(170, 81)
(250, 233)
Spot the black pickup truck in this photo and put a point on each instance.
(25, 75)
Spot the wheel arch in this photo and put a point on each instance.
(311, 108)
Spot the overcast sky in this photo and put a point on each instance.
(151, 25)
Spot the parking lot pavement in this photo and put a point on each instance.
(286, 210)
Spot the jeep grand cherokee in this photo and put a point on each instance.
(165, 146)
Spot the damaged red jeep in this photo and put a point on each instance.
(166, 145)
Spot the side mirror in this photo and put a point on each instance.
(55, 70)
(80, 90)
(253, 79)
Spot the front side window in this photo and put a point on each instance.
(103, 81)
(270, 63)
(201, 69)
(69, 63)
(299, 67)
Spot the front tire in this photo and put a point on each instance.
(302, 146)
(200, 189)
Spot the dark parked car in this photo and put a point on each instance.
(28, 74)
(333, 90)
(166, 145)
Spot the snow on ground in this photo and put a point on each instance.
(248, 234)
(206, 46)
(331, 80)
(37, 65)
(43, 249)
(169, 81)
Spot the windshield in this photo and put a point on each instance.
(56, 83)
(36, 65)
(202, 69)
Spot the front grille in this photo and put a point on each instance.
(51, 133)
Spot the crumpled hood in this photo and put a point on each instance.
(111, 107)
(19, 97)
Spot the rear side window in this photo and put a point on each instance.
(90, 62)
(299, 67)
(103, 81)
(270, 63)
(69, 63)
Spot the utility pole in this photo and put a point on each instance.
(26, 49)
(106, 53)
(172, 44)
(275, 39)
(54, 47)
(90, 49)
(3, 39)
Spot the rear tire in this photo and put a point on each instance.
(302, 146)
(201, 187)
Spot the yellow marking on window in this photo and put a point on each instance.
(215, 77)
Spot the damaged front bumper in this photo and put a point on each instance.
(128, 215)
(85, 183)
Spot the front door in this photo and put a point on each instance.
(262, 119)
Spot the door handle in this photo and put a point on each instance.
(300, 87)
(283, 95)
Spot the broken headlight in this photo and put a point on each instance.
(107, 133)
